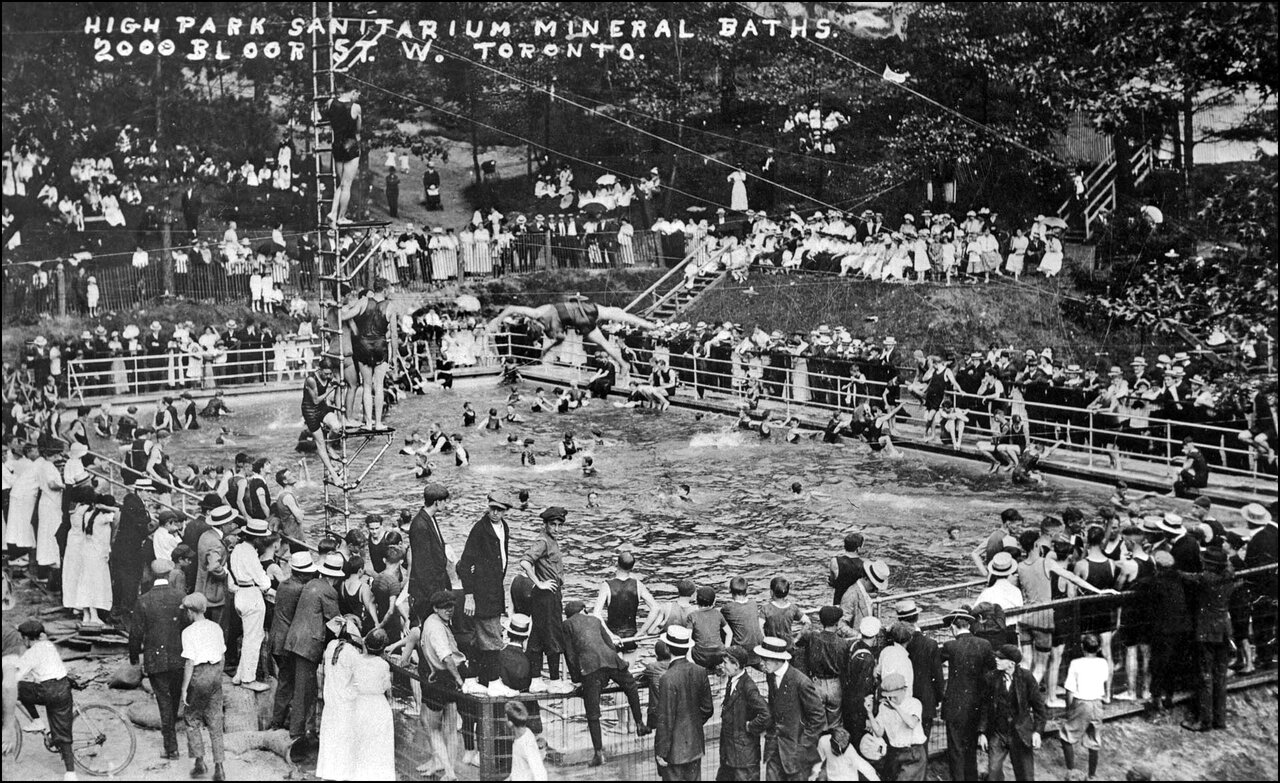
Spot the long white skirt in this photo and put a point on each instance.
(20, 531)
(50, 512)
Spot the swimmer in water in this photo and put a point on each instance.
(550, 322)
(424, 467)
(512, 417)
(524, 499)
(593, 499)
(514, 397)
(527, 456)
(412, 443)
(588, 467)
(598, 435)
(1119, 498)
(468, 415)
(796, 487)
(568, 447)
(491, 422)
(224, 438)
(686, 494)
(460, 455)
(793, 429)
(540, 401)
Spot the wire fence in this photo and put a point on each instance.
(477, 722)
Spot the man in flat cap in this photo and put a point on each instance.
(482, 569)
(1012, 716)
(544, 565)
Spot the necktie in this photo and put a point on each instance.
(773, 685)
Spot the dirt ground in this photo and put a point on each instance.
(35, 763)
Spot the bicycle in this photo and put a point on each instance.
(102, 738)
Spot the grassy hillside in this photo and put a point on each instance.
(933, 318)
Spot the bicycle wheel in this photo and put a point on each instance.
(102, 741)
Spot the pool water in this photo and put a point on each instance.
(742, 519)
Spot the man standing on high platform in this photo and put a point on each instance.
(373, 342)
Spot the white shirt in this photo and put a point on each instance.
(526, 759)
(41, 663)
(164, 543)
(846, 766)
(500, 531)
(1087, 678)
(246, 568)
(202, 642)
(1004, 594)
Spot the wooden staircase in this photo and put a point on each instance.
(1100, 192)
(671, 295)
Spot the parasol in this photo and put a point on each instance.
(594, 208)
(1055, 222)
(696, 209)
(467, 303)
(1153, 214)
(606, 179)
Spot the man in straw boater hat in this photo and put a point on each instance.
(305, 641)
(856, 602)
(593, 661)
(969, 659)
(1261, 551)
(1012, 716)
(684, 705)
(248, 583)
(302, 569)
(791, 745)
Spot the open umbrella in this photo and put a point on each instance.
(1055, 222)
(594, 208)
(696, 209)
(1153, 214)
(606, 179)
(467, 303)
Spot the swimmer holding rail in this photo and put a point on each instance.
(552, 320)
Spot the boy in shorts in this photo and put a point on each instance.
(1087, 679)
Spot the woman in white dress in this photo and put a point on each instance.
(195, 362)
(111, 211)
(86, 581)
(119, 378)
(1051, 264)
(738, 195)
(1017, 254)
(449, 256)
(626, 252)
(337, 758)
(799, 371)
(49, 509)
(483, 257)
(20, 533)
(255, 289)
(467, 249)
(371, 742)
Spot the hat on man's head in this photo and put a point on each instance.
(893, 682)
(302, 562)
(962, 612)
(907, 608)
(1009, 652)
(160, 568)
(432, 493)
(773, 647)
(573, 607)
(869, 627)
(830, 615)
(878, 573)
(256, 528)
(519, 625)
(210, 501)
(1002, 564)
(332, 564)
(1151, 524)
(1172, 524)
(221, 515)
(499, 500)
(555, 512)
(1213, 558)
(678, 637)
(1256, 515)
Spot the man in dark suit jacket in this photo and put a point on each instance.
(1260, 551)
(306, 639)
(302, 569)
(427, 562)
(970, 659)
(1012, 716)
(192, 204)
(155, 632)
(743, 718)
(791, 746)
(594, 661)
(684, 705)
(926, 663)
(482, 568)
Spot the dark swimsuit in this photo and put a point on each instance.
(581, 316)
(369, 343)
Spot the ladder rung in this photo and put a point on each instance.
(327, 330)
(319, 98)
(336, 278)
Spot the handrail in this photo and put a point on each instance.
(675, 290)
(671, 272)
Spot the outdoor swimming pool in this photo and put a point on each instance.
(743, 518)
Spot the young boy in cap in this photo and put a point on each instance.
(744, 717)
(203, 649)
(42, 679)
(898, 721)
(822, 654)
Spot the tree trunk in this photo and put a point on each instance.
(157, 87)
(166, 237)
(475, 139)
(1124, 173)
(1188, 149)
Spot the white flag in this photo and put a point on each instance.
(891, 75)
